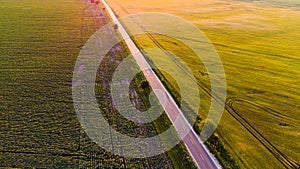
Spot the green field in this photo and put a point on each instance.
(37, 53)
(259, 48)
(39, 44)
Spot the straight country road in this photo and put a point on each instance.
(194, 145)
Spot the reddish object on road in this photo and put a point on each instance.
(92, 1)
(97, 2)
(116, 26)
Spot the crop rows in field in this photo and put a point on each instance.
(285, 160)
(117, 121)
(106, 103)
(39, 127)
(281, 157)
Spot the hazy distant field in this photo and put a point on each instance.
(280, 3)
(259, 46)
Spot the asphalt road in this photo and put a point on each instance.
(198, 152)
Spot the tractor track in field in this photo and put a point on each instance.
(242, 49)
(281, 157)
(217, 44)
(265, 109)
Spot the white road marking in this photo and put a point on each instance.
(192, 141)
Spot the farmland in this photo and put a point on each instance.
(35, 65)
(259, 47)
(39, 45)
(40, 42)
